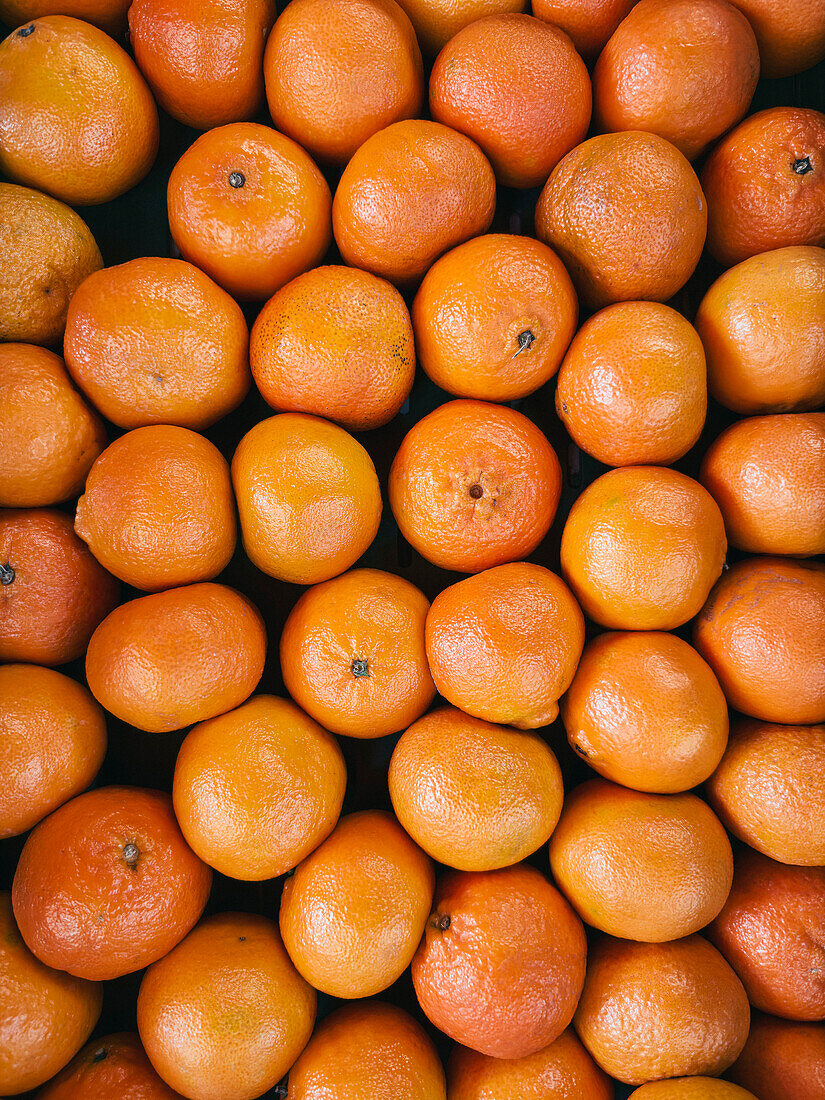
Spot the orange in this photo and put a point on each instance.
(633, 386)
(158, 509)
(683, 69)
(767, 474)
(53, 593)
(49, 437)
(648, 867)
(338, 71)
(257, 789)
(601, 239)
(225, 1014)
(110, 1068)
(353, 912)
(109, 15)
(250, 208)
(107, 884)
(308, 498)
(646, 711)
(493, 317)
(76, 117)
(47, 1016)
(791, 37)
(656, 1010)
(589, 23)
(155, 341)
(48, 251)
(642, 547)
(474, 485)
(765, 185)
(501, 965)
(52, 743)
(356, 369)
(561, 1071)
(203, 58)
(503, 645)
(769, 790)
(410, 193)
(782, 602)
(516, 86)
(368, 1051)
(474, 796)
(691, 1088)
(783, 1060)
(352, 653)
(437, 21)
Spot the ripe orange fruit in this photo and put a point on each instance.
(338, 71)
(685, 70)
(782, 1059)
(688, 1009)
(52, 591)
(642, 547)
(49, 437)
(474, 485)
(650, 205)
(633, 386)
(763, 327)
(691, 1088)
(765, 184)
(516, 86)
(250, 208)
(504, 645)
(110, 1068)
(501, 965)
(353, 912)
(357, 369)
(48, 250)
(648, 867)
(203, 58)
(352, 653)
(76, 117)
(493, 317)
(257, 789)
(225, 1014)
(47, 1016)
(437, 21)
(589, 23)
(368, 1051)
(158, 509)
(107, 884)
(109, 15)
(409, 193)
(779, 600)
(791, 37)
(52, 743)
(646, 711)
(308, 498)
(769, 790)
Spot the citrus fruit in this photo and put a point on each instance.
(691, 1088)
(52, 742)
(589, 23)
(632, 388)
(501, 964)
(76, 117)
(352, 653)
(167, 660)
(646, 711)
(250, 208)
(474, 795)
(616, 198)
(110, 1068)
(357, 369)
(353, 912)
(308, 497)
(515, 85)
(255, 790)
(503, 645)
(225, 1014)
(474, 485)
(493, 317)
(783, 1060)
(107, 884)
(338, 71)
(109, 15)
(409, 193)
(642, 547)
(437, 21)
(791, 37)
(155, 341)
(49, 437)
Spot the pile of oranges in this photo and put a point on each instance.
(412, 606)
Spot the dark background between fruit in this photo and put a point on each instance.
(136, 225)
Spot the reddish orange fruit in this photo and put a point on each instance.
(109, 15)
(589, 23)
(437, 21)
(691, 1088)
(110, 1068)
(791, 37)
(783, 1060)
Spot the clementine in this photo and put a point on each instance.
(791, 37)
(691, 1088)
(109, 15)
(589, 23)
(783, 1060)
(437, 21)
(110, 1068)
